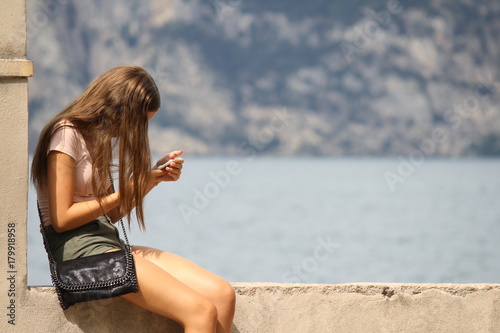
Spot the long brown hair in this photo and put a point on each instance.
(115, 104)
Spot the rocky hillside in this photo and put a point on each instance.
(314, 77)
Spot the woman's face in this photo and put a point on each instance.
(151, 114)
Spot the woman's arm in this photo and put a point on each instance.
(64, 213)
(67, 215)
(171, 173)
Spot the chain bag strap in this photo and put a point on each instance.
(95, 277)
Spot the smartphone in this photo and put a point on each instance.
(163, 166)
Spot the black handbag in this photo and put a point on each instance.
(94, 277)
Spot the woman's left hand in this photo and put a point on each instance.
(174, 170)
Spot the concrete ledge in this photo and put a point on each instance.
(16, 68)
(268, 307)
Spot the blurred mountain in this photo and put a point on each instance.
(316, 77)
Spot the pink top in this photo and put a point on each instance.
(70, 142)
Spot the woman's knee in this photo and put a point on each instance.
(204, 314)
(225, 293)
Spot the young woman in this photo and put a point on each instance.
(70, 170)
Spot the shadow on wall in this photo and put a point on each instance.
(96, 317)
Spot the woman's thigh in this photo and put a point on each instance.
(204, 282)
(161, 293)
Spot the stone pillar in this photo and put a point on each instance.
(14, 71)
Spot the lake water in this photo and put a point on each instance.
(323, 220)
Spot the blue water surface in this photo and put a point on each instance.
(323, 220)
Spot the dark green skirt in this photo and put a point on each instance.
(95, 237)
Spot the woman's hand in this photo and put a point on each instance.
(156, 176)
(171, 172)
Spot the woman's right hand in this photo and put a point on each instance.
(155, 177)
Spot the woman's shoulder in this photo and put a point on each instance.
(63, 125)
(66, 138)
(67, 128)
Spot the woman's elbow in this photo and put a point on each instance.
(59, 225)
(59, 228)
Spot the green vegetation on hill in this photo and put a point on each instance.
(287, 77)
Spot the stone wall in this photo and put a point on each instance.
(286, 308)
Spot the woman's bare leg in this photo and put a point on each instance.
(210, 286)
(161, 293)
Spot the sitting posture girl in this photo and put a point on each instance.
(78, 207)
